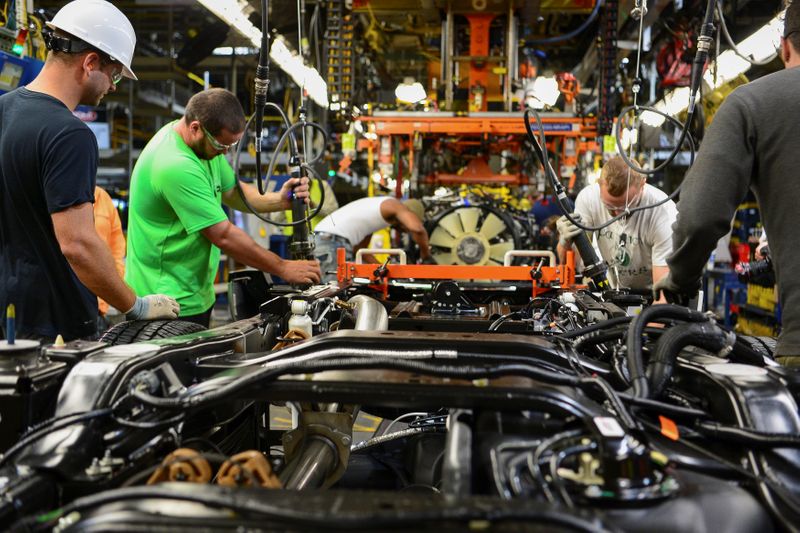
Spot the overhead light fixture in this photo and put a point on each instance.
(759, 46)
(235, 13)
(239, 51)
(542, 92)
(410, 92)
(307, 78)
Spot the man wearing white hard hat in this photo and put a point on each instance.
(53, 264)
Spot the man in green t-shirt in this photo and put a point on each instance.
(176, 224)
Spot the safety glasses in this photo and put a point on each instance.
(215, 143)
(633, 201)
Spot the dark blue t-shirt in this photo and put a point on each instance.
(48, 162)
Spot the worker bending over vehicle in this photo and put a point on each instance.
(351, 226)
(635, 247)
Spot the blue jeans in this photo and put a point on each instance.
(325, 248)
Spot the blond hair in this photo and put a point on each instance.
(617, 175)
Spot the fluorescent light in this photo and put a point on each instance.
(233, 13)
(759, 46)
(307, 78)
(410, 92)
(240, 51)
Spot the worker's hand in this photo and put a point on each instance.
(289, 188)
(428, 261)
(567, 231)
(300, 272)
(674, 293)
(153, 306)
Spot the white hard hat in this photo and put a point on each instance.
(103, 26)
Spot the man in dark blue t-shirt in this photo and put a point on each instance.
(53, 263)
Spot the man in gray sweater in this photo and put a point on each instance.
(753, 143)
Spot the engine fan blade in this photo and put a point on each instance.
(451, 224)
(492, 226)
(469, 218)
(445, 258)
(440, 237)
(497, 251)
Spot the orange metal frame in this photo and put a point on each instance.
(563, 274)
(485, 123)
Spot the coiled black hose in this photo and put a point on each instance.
(705, 335)
(635, 334)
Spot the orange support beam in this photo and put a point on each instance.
(562, 275)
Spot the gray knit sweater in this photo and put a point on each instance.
(753, 142)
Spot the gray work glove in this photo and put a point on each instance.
(153, 306)
(567, 231)
(674, 293)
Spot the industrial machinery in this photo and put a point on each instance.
(523, 403)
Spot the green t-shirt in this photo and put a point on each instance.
(174, 194)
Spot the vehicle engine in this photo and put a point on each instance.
(496, 405)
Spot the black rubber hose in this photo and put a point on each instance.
(311, 518)
(382, 362)
(705, 335)
(574, 33)
(635, 335)
(268, 374)
(748, 437)
(49, 427)
(594, 327)
(742, 353)
(597, 337)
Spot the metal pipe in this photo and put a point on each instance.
(511, 51)
(447, 60)
(370, 314)
(311, 466)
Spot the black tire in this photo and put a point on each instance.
(146, 330)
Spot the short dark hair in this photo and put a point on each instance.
(216, 109)
(616, 175)
(791, 23)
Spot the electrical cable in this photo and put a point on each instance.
(764, 483)
(244, 198)
(704, 42)
(261, 89)
(555, 461)
(557, 186)
(724, 26)
(402, 417)
(574, 33)
(269, 373)
(494, 459)
(374, 361)
(536, 456)
(748, 437)
(397, 435)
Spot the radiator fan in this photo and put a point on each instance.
(472, 235)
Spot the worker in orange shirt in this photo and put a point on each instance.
(109, 227)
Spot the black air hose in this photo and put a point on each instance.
(594, 327)
(748, 437)
(742, 353)
(635, 332)
(705, 335)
